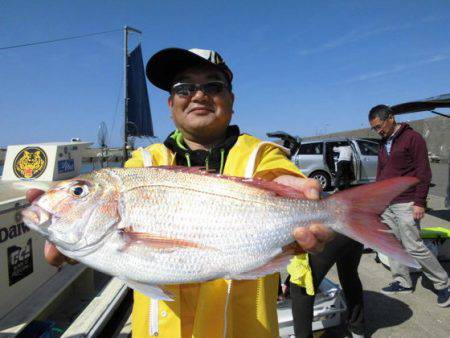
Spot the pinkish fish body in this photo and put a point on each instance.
(152, 226)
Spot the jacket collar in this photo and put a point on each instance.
(403, 127)
(213, 159)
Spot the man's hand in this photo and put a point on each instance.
(51, 253)
(314, 237)
(418, 212)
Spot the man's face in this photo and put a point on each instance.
(384, 128)
(202, 117)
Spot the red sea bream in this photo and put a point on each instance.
(160, 225)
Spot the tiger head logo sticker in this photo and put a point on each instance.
(30, 163)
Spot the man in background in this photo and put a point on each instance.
(403, 152)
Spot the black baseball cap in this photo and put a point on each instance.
(165, 65)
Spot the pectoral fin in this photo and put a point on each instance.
(152, 291)
(155, 241)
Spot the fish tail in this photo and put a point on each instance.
(356, 213)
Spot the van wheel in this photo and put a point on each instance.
(323, 178)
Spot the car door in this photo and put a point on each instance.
(368, 153)
(309, 157)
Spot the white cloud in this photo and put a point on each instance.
(354, 36)
(397, 68)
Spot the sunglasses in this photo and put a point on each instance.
(189, 89)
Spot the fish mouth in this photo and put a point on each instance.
(37, 219)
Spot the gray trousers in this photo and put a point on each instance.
(399, 217)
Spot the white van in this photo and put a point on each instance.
(316, 159)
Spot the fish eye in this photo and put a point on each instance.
(79, 190)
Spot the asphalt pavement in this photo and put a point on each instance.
(413, 315)
(439, 180)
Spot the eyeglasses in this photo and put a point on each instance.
(189, 89)
(378, 127)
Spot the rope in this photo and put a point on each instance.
(57, 40)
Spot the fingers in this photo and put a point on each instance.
(418, 212)
(309, 187)
(33, 193)
(54, 257)
(321, 232)
(305, 238)
(313, 238)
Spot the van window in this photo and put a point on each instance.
(311, 149)
(368, 148)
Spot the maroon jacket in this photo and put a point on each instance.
(408, 157)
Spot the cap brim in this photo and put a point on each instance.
(164, 66)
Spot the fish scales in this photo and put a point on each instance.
(172, 205)
(190, 208)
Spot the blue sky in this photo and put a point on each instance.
(300, 66)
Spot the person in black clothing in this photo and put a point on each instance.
(346, 253)
(344, 172)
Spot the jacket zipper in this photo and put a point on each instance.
(227, 303)
(258, 294)
(153, 324)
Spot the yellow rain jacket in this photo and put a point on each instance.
(198, 309)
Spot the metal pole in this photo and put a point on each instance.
(125, 138)
(131, 29)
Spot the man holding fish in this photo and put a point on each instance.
(201, 103)
(200, 248)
